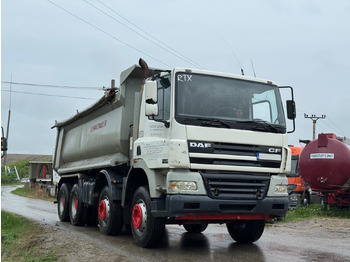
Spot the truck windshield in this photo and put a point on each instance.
(228, 103)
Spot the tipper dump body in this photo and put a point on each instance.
(98, 137)
(181, 146)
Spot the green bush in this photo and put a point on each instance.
(22, 168)
(7, 178)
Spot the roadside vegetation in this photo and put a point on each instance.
(20, 240)
(11, 178)
(316, 211)
(33, 192)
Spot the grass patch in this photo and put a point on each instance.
(13, 182)
(315, 211)
(33, 192)
(21, 240)
(9, 179)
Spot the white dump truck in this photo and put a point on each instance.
(181, 146)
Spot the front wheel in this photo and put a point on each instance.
(146, 229)
(246, 231)
(63, 202)
(110, 215)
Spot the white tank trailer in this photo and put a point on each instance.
(181, 146)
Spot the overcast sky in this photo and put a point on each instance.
(85, 43)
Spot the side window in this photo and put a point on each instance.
(164, 91)
(265, 107)
(262, 111)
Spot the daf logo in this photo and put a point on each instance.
(199, 144)
(274, 150)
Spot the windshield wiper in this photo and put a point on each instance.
(214, 123)
(205, 121)
(260, 124)
(266, 126)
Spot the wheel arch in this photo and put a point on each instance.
(113, 180)
(137, 177)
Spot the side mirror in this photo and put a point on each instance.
(151, 110)
(151, 98)
(151, 92)
(291, 111)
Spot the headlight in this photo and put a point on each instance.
(281, 189)
(183, 185)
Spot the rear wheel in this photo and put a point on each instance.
(77, 211)
(246, 231)
(63, 202)
(195, 228)
(146, 229)
(110, 215)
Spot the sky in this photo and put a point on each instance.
(60, 54)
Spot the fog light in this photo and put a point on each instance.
(294, 198)
(183, 185)
(281, 189)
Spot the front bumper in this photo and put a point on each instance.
(177, 206)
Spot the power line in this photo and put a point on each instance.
(173, 51)
(49, 85)
(41, 94)
(341, 131)
(106, 33)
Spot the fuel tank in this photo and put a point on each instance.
(325, 164)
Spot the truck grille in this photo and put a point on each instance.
(215, 153)
(232, 185)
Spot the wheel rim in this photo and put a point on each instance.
(139, 216)
(74, 204)
(103, 209)
(62, 203)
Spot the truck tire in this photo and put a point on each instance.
(77, 211)
(146, 229)
(195, 228)
(246, 231)
(305, 199)
(63, 202)
(110, 213)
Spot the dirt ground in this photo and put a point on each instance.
(84, 249)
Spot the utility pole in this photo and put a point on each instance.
(8, 123)
(314, 119)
